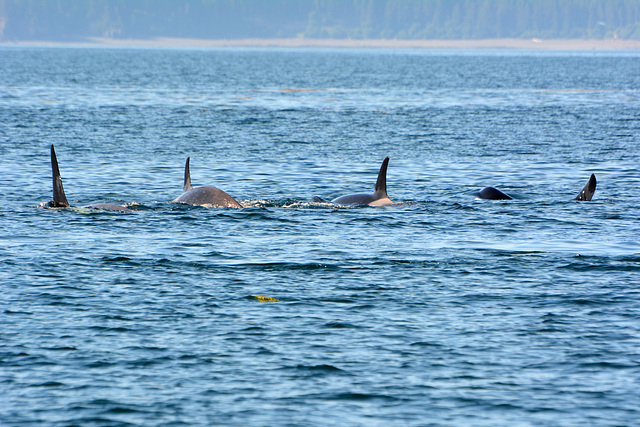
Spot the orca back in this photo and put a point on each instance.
(491, 193)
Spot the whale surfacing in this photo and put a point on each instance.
(490, 193)
(377, 198)
(589, 189)
(204, 195)
(585, 194)
(60, 199)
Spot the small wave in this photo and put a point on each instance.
(288, 266)
(309, 371)
(318, 368)
(298, 90)
(425, 344)
(12, 312)
(48, 384)
(278, 203)
(119, 260)
(341, 325)
(357, 397)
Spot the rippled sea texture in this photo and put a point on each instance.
(442, 310)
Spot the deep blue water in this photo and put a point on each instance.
(441, 310)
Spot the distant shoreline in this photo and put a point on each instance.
(517, 44)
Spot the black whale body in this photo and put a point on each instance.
(586, 194)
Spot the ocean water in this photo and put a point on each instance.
(441, 310)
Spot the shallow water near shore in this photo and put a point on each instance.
(441, 310)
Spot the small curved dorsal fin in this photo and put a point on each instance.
(187, 177)
(381, 184)
(59, 198)
(589, 189)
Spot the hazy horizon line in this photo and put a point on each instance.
(300, 42)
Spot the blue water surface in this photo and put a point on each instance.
(441, 310)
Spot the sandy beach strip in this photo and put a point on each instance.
(527, 44)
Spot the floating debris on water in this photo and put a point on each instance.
(265, 299)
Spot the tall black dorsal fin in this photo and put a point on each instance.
(381, 184)
(187, 177)
(59, 199)
(587, 192)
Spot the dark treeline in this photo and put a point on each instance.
(75, 20)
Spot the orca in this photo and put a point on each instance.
(60, 199)
(491, 193)
(587, 192)
(377, 198)
(204, 195)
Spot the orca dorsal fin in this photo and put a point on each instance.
(587, 192)
(381, 184)
(187, 177)
(59, 199)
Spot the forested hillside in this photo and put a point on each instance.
(75, 20)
